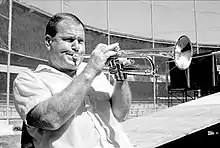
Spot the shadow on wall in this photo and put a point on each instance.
(143, 91)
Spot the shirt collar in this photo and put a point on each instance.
(42, 67)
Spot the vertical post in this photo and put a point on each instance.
(188, 77)
(195, 23)
(152, 34)
(213, 71)
(166, 72)
(9, 60)
(108, 30)
(61, 6)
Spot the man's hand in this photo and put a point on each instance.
(100, 55)
(116, 68)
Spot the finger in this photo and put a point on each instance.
(101, 47)
(119, 66)
(128, 62)
(117, 77)
(112, 66)
(112, 47)
(124, 76)
(112, 63)
(109, 54)
(120, 76)
(125, 61)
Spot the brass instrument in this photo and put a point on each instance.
(181, 53)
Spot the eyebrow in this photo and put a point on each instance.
(68, 37)
(73, 37)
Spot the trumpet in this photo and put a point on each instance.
(181, 53)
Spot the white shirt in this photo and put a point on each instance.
(92, 126)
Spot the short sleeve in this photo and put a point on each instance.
(28, 92)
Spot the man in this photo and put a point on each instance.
(70, 104)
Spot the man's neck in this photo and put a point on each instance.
(69, 72)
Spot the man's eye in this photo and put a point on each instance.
(69, 40)
(81, 41)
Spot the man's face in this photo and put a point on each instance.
(67, 47)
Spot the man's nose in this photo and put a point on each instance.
(75, 46)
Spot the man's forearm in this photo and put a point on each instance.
(55, 111)
(121, 100)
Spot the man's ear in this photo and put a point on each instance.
(48, 41)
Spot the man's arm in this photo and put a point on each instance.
(121, 100)
(55, 111)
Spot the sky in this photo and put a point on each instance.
(168, 20)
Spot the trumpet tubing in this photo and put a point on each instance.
(181, 53)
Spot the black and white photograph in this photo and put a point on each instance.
(109, 73)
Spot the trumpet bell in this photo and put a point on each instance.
(183, 52)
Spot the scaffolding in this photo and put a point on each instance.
(64, 4)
